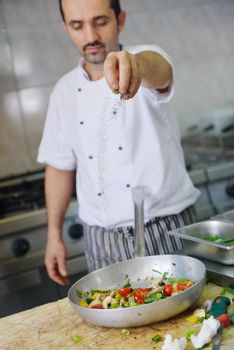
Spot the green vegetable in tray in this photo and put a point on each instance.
(217, 239)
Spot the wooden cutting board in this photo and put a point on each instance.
(53, 325)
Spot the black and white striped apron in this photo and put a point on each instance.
(108, 246)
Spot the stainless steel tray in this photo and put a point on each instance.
(194, 243)
(228, 216)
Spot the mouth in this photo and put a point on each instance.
(94, 49)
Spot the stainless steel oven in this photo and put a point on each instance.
(209, 156)
(23, 279)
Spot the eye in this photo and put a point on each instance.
(101, 22)
(76, 26)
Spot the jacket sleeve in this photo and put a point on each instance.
(55, 148)
(161, 97)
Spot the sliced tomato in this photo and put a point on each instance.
(184, 285)
(141, 294)
(97, 307)
(124, 291)
(168, 290)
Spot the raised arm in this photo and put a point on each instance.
(125, 72)
(58, 190)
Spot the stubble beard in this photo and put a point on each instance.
(95, 58)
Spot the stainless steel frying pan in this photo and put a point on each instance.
(142, 268)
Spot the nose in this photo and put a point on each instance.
(91, 34)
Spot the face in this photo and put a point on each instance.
(93, 28)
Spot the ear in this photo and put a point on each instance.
(64, 24)
(121, 20)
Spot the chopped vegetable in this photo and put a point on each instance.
(76, 338)
(79, 293)
(200, 313)
(188, 334)
(128, 284)
(141, 294)
(125, 331)
(173, 280)
(153, 297)
(164, 276)
(200, 319)
(168, 290)
(125, 291)
(192, 319)
(88, 300)
(98, 291)
(84, 303)
(156, 338)
(198, 316)
(184, 285)
(118, 296)
(227, 290)
(127, 296)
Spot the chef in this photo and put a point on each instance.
(107, 130)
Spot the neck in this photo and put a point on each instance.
(95, 71)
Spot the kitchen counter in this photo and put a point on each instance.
(53, 325)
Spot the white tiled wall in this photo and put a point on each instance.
(35, 52)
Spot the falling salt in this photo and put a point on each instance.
(109, 115)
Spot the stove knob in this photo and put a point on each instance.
(76, 231)
(230, 190)
(20, 247)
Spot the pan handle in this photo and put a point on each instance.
(138, 195)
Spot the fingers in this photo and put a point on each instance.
(133, 81)
(54, 273)
(62, 268)
(55, 261)
(111, 72)
(125, 73)
(122, 73)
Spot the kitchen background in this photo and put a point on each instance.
(35, 52)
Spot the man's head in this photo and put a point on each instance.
(93, 26)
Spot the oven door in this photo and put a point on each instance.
(31, 288)
(26, 290)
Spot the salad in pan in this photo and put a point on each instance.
(127, 296)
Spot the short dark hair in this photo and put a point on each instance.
(114, 4)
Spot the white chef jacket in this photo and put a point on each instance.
(115, 146)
